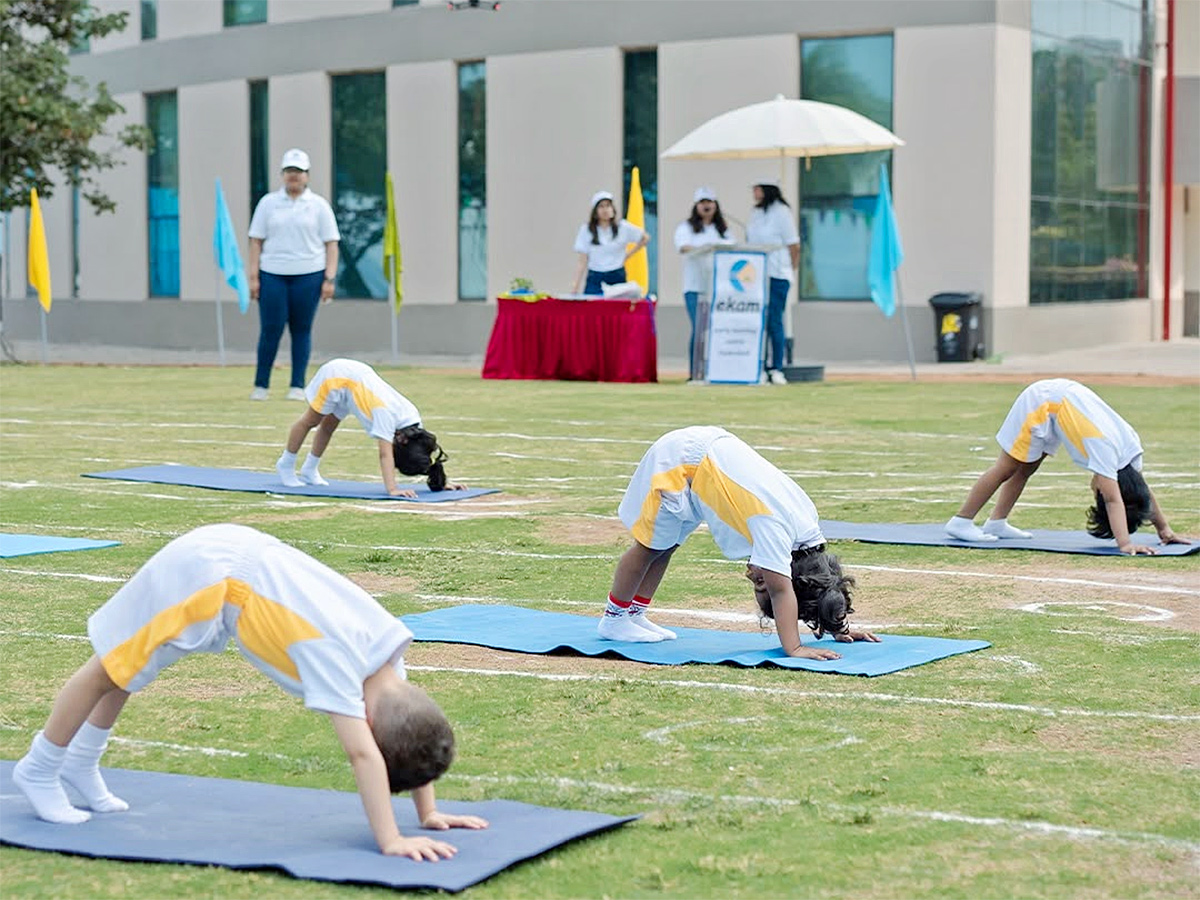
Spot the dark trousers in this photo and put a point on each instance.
(290, 300)
(595, 279)
(776, 335)
(691, 299)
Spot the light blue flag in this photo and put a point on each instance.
(886, 252)
(226, 253)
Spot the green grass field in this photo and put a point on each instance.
(1060, 762)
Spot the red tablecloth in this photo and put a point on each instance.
(573, 340)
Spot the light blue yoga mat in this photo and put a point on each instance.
(269, 483)
(1049, 541)
(534, 631)
(320, 835)
(30, 544)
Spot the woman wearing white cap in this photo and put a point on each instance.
(771, 222)
(703, 228)
(601, 245)
(293, 262)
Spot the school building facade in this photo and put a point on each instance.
(1033, 170)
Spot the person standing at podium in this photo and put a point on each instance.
(601, 245)
(703, 228)
(771, 222)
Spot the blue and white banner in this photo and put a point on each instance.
(736, 317)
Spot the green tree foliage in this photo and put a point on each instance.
(49, 119)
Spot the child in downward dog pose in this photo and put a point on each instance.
(704, 473)
(1060, 411)
(316, 634)
(345, 386)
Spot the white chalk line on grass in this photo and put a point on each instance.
(78, 575)
(1039, 579)
(1153, 613)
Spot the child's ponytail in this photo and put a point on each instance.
(416, 452)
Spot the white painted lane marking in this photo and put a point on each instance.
(1023, 664)
(102, 578)
(1151, 614)
(959, 573)
(666, 736)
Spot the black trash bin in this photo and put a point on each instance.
(958, 323)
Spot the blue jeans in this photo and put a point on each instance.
(290, 300)
(691, 299)
(595, 279)
(776, 335)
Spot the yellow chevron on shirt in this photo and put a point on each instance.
(366, 401)
(1074, 425)
(733, 504)
(672, 480)
(266, 628)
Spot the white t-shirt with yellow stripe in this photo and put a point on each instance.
(345, 386)
(704, 473)
(313, 632)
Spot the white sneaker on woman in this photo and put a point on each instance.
(295, 393)
(777, 377)
(259, 394)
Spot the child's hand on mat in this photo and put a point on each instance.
(440, 821)
(813, 653)
(851, 636)
(419, 848)
(407, 493)
(1134, 549)
(456, 487)
(1167, 536)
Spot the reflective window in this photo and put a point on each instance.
(359, 170)
(244, 12)
(641, 144)
(260, 165)
(149, 20)
(405, 2)
(838, 193)
(1090, 199)
(472, 181)
(162, 204)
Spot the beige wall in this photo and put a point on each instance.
(12, 275)
(123, 275)
(132, 34)
(422, 146)
(299, 116)
(206, 153)
(547, 154)
(297, 10)
(181, 18)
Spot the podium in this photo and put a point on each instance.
(731, 314)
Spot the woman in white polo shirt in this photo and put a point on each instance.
(601, 245)
(703, 228)
(293, 262)
(771, 222)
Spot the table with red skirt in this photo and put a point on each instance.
(573, 340)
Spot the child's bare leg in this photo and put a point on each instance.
(286, 465)
(632, 569)
(1010, 491)
(645, 593)
(37, 774)
(962, 525)
(309, 473)
(81, 768)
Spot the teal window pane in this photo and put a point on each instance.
(641, 144)
(359, 169)
(149, 20)
(472, 181)
(838, 193)
(244, 12)
(405, 2)
(260, 165)
(162, 202)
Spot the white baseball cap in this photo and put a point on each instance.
(600, 195)
(703, 193)
(295, 159)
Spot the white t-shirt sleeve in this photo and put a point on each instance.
(786, 224)
(583, 240)
(1102, 458)
(258, 222)
(771, 547)
(327, 228)
(628, 233)
(684, 236)
(328, 679)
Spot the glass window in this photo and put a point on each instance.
(472, 181)
(162, 177)
(75, 240)
(838, 193)
(149, 20)
(359, 170)
(405, 2)
(1089, 204)
(244, 12)
(641, 144)
(260, 166)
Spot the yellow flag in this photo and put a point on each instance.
(39, 259)
(393, 263)
(637, 267)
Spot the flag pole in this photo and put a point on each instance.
(220, 321)
(45, 340)
(395, 317)
(912, 364)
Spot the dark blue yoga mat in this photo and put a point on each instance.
(320, 835)
(935, 536)
(30, 544)
(534, 631)
(269, 483)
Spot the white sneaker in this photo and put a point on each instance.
(620, 628)
(776, 376)
(259, 394)
(642, 620)
(296, 393)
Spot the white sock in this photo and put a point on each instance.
(637, 615)
(1001, 529)
(81, 769)
(286, 467)
(36, 774)
(308, 471)
(616, 625)
(965, 530)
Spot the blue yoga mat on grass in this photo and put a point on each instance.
(534, 631)
(314, 834)
(30, 544)
(269, 483)
(935, 536)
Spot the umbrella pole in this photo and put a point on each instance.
(789, 327)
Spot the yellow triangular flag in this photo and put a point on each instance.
(637, 267)
(393, 263)
(39, 260)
